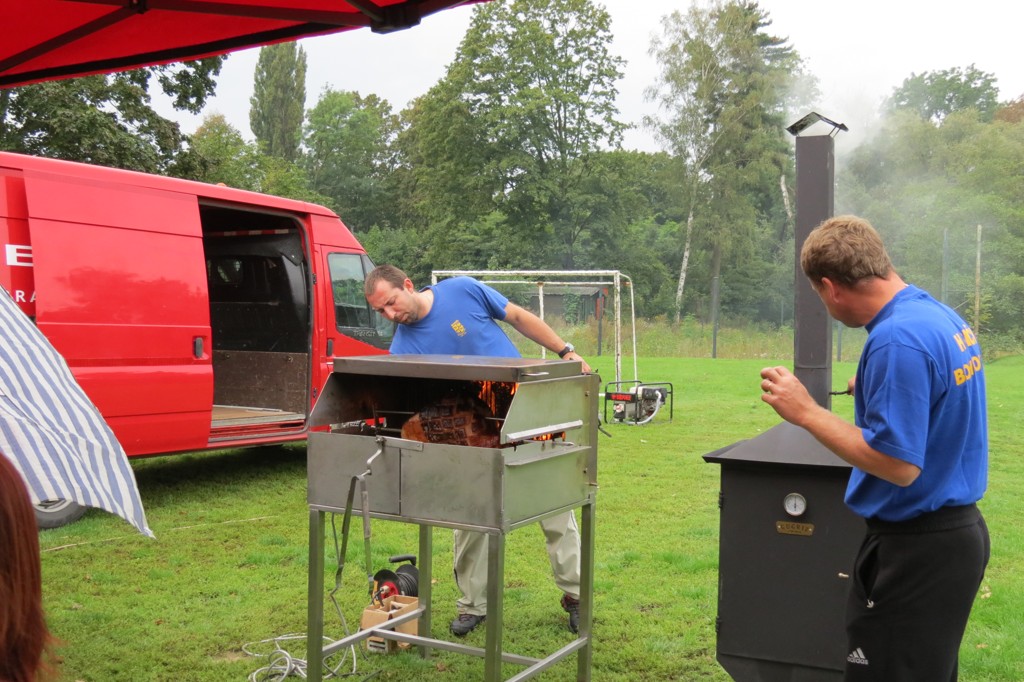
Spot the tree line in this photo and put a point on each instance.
(513, 159)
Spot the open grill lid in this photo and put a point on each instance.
(458, 367)
(529, 398)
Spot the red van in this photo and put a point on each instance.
(194, 316)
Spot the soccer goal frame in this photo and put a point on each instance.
(564, 278)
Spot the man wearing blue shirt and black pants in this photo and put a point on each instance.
(919, 452)
(457, 317)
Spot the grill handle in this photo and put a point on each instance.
(543, 431)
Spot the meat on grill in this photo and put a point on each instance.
(454, 423)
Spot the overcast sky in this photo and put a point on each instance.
(859, 52)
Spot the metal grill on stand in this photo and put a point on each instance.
(483, 444)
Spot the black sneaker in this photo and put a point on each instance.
(465, 623)
(572, 607)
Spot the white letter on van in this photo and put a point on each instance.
(19, 255)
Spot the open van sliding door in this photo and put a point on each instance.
(121, 292)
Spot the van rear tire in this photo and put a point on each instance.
(57, 513)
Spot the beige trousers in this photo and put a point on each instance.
(563, 542)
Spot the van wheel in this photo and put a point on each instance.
(57, 513)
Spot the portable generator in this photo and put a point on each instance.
(635, 402)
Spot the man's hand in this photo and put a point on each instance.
(787, 395)
(576, 356)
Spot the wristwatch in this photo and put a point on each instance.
(569, 348)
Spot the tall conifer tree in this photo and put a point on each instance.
(278, 102)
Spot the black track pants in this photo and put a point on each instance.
(913, 588)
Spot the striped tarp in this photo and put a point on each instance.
(51, 430)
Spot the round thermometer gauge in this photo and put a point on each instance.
(795, 504)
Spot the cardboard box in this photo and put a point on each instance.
(375, 614)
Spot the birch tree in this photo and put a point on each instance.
(721, 95)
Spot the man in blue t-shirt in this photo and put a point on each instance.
(919, 451)
(457, 317)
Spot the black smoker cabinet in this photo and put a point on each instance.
(787, 543)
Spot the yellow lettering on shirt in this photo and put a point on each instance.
(964, 340)
(969, 369)
(459, 329)
(969, 336)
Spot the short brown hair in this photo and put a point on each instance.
(846, 249)
(384, 273)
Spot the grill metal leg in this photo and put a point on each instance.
(585, 655)
(315, 591)
(425, 581)
(495, 605)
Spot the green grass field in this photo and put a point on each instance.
(230, 562)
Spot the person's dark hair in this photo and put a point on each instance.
(384, 273)
(846, 249)
(24, 637)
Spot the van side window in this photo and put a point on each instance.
(352, 314)
(225, 273)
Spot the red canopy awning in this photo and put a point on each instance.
(49, 39)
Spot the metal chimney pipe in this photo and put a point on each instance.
(815, 202)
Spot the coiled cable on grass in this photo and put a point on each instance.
(283, 664)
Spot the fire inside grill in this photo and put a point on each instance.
(467, 420)
(495, 393)
(453, 411)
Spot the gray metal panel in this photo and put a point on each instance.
(453, 484)
(328, 407)
(545, 407)
(536, 483)
(449, 484)
(332, 460)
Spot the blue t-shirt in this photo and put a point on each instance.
(920, 397)
(461, 321)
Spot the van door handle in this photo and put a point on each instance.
(330, 347)
(197, 347)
